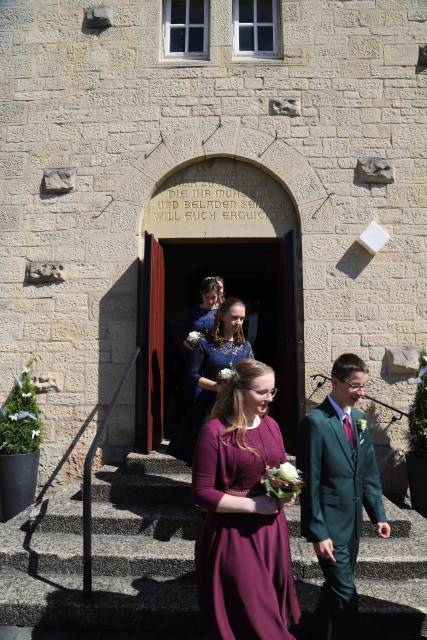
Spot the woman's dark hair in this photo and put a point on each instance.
(217, 337)
(209, 285)
(346, 364)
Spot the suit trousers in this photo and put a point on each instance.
(338, 604)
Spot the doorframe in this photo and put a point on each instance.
(293, 346)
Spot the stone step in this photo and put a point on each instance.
(155, 462)
(62, 514)
(129, 555)
(113, 485)
(156, 604)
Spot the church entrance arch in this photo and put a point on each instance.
(225, 217)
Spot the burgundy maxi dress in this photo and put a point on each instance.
(243, 564)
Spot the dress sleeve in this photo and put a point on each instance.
(197, 357)
(250, 351)
(205, 463)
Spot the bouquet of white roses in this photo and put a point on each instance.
(282, 482)
(193, 338)
(225, 375)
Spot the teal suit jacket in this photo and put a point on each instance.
(339, 480)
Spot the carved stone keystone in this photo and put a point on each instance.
(374, 170)
(402, 360)
(43, 272)
(422, 55)
(285, 107)
(99, 17)
(59, 180)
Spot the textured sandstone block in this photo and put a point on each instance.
(402, 359)
(285, 107)
(45, 272)
(11, 326)
(317, 340)
(59, 180)
(374, 170)
(99, 17)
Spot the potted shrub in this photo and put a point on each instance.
(20, 437)
(416, 457)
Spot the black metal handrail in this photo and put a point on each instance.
(87, 481)
(320, 383)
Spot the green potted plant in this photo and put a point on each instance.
(416, 457)
(20, 438)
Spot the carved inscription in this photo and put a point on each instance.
(216, 195)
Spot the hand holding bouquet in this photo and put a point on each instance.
(282, 482)
(193, 338)
(225, 375)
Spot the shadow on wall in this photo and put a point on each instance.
(354, 261)
(391, 461)
(117, 343)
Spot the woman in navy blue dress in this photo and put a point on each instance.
(202, 317)
(223, 349)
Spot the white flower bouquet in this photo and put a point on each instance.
(193, 338)
(361, 425)
(225, 375)
(282, 482)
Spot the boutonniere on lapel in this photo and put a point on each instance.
(361, 425)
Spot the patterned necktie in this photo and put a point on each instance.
(348, 430)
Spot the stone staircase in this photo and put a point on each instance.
(144, 528)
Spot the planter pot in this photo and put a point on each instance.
(18, 480)
(417, 476)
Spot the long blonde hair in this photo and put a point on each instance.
(229, 407)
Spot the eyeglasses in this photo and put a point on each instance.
(354, 387)
(264, 394)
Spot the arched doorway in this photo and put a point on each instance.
(228, 217)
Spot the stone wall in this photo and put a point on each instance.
(95, 103)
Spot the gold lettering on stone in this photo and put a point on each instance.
(220, 197)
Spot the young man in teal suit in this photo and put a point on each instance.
(337, 457)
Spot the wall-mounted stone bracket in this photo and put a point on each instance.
(59, 180)
(44, 272)
(49, 382)
(99, 17)
(374, 171)
(422, 55)
(290, 107)
(402, 359)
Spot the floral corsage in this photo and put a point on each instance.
(361, 425)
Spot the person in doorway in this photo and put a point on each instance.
(337, 458)
(243, 564)
(223, 349)
(202, 317)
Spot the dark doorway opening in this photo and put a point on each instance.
(252, 271)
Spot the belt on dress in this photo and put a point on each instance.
(244, 493)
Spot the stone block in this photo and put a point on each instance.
(365, 47)
(402, 359)
(317, 341)
(44, 272)
(11, 326)
(59, 180)
(100, 17)
(285, 107)
(374, 171)
(417, 10)
(401, 54)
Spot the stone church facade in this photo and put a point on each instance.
(132, 117)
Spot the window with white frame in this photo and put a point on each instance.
(256, 28)
(186, 28)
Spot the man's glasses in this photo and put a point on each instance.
(264, 394)
(354, 387)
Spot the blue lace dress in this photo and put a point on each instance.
(200, 319)
(207, 360)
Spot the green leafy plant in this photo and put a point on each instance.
(20, 425)
(417, 435)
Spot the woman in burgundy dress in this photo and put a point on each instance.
(243, 563)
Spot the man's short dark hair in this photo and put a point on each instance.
(346, 364)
